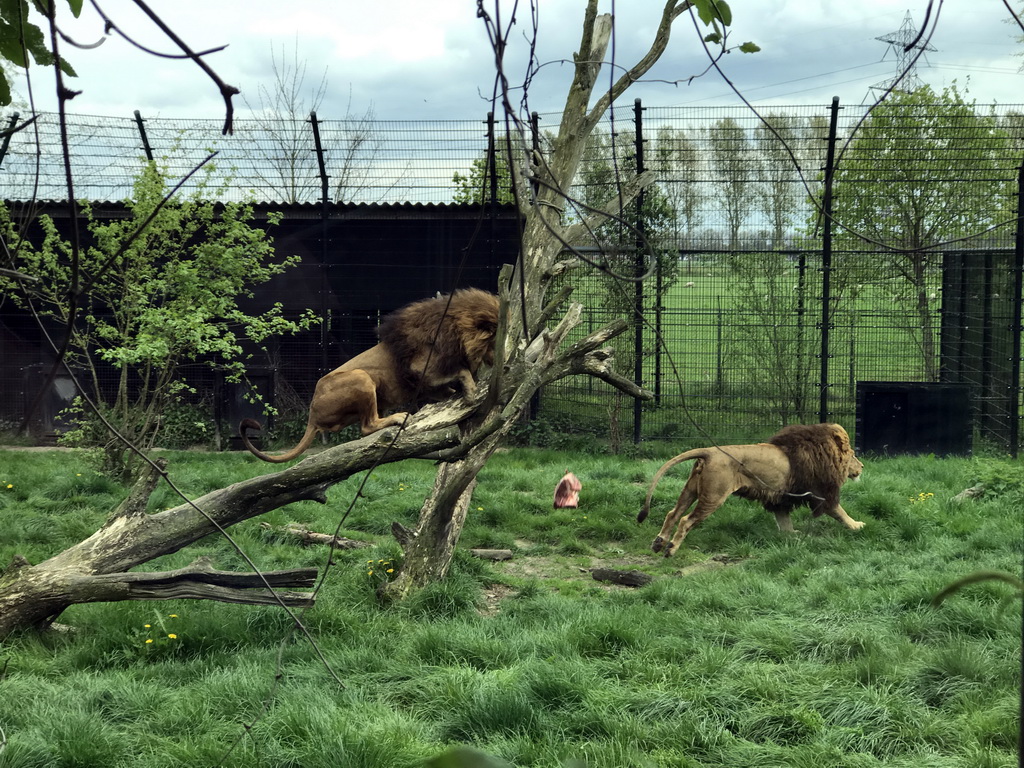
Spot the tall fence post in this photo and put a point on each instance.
(492, 162)
(7, 136)
(641, 252)
(325, 321)
(1018, 299)
(142, 133)
(826, 259)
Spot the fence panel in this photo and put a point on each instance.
(922, 280)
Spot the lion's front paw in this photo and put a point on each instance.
(856, 525)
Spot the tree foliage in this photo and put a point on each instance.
(732, 158)
(149, 306)
(475, 186)
(22, 42)
(633, 236)
(922, 175)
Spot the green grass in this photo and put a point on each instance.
(728, 356)
(819, 650)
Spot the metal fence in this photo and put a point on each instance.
(267, 159)
(811, 259)
(801, 259)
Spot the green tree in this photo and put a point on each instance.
(732, 159)
(605, 160)
(779, 181)
(151, 305)
(475, 186)
(22, 42)
(924, 170)
(775, 339)
(677, 159)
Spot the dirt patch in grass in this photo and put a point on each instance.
(557, 569)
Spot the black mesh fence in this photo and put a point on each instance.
(762, 310)
(768, 301)
(269, 160)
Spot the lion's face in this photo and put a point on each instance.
(854, 467)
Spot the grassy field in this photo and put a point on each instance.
(742, 357)
(749, 648)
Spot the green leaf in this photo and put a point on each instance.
(724, 11)
(749, 47)
(714, 37)
(710, 11)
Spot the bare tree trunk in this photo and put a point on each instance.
(528, 354)
(429, 551)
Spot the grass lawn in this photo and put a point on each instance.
(749, 648)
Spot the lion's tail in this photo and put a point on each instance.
(304, 443)
(696, 453)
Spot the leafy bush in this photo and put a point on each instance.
(163, 289)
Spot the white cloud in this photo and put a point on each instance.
(413, 59)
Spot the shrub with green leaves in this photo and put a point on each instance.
(149, 294)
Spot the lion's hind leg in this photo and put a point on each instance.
(784, 521)
(705, 506)
(686, 498)
(350, 397)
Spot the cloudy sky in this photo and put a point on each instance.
(411, 60)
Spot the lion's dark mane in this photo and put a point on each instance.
(816, 469)
(460, 331)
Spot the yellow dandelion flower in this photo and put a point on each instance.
(173, 636)
(391, 570)
(369, 573)
(149, 640)
(9, 486)
(172, 615)
(479, 509)
(147, 626)
(78, 474)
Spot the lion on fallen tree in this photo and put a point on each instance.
(428, 351)
(801, 464)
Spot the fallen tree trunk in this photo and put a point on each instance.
(96, 569)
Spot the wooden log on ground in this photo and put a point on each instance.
(626, 578)
(306, 536)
